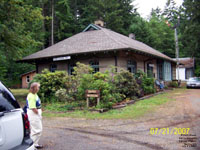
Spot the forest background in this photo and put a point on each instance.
(27, 26)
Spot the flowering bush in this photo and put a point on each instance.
(125, 83)
(99, 81)
(114, 86)
(146, 83)
(50, 82)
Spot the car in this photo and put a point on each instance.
(14, 123)
(193, 82)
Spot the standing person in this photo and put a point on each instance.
(35, 114)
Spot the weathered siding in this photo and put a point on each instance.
(105, 63)
(106, 60)
(125, 56)
(43, 66)
(173, 71)
(63, 65)
(24, 79)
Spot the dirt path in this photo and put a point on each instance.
(83, 134)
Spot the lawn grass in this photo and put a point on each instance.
(136, 110)
(20, 95)
(19, 92)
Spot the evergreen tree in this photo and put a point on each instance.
(190, 37)
(141, 29)
(171, 11)
(63, 21)
(162, 35)
(19, 23)
(115, 13)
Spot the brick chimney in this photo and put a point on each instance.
(132, 36)
(99, 22)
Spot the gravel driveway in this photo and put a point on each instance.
(84, 134)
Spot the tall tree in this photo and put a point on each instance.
(140, 27)
(191, 38)
(174, 19)
(171, 11)
(18, 22)
(162, 35)
(64, 21)
(58, 22)
(115, 13)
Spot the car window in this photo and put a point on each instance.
(7, 100)
(192, 79)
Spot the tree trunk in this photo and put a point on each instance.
(43, 23)
(52, 22)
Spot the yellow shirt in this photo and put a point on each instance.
(31, 100)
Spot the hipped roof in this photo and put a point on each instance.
(96, 40)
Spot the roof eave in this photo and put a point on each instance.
(169, 59)
(31, 60)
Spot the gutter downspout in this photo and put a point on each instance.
(116, 63)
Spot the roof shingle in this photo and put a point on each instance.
(94, 41)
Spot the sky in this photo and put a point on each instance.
(145, 6)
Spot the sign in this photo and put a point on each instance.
(151, 65)
(61, 58)
(92, 93)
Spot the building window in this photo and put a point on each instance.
(95, 65)
(150, 70)
(160, 71)
(71, 68)
(188, 73)
(131, 66)
(27, 79)
(53, 67)
(167, 71)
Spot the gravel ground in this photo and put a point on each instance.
(84, 134)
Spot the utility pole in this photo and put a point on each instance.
(176, 44)
(52, 22)
(177, 48)
(177, 51)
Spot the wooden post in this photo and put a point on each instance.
(98, 101)
(92, 93)
(87, 102)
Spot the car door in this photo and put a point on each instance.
(11, 130)
(2, 131)
(11, 123)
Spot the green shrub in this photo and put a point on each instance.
(146, 83)
(114, 86)
(63, 95)
(98, 81)
(50, 83)
(74, 81)
(197, 68)
(173, 84)
(125, 84)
